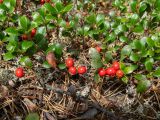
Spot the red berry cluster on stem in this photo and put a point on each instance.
(72, 69)
(112, 71)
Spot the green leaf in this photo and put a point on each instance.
(130, 69)
(8, 56)
(143, 85)
(12, 46)
(95, 58)
(41, 30)
(59, 6)
(108, 56)
(26, 61)
(133, 5)
(91, 19)
(138, 29)
(140, 77)
(38, 19)
(143, 7)
(117, 3)
(125, 79)
(137, 45)
(58, 49)
(99, 19)
(46, 65)
(24, 23)
(32, 116)
(134, 57)
(41, 42)
(123, 39)
(126, 50)
(112, 14)
(10, 4)
(26, 45)
(111, 37)
(50, 8)
(67, 8)
(149, 64)
(96, 78)
(134, 18)
(11, 31)
(157, 72)
(150, 42)
(157, 5)
(61, 66)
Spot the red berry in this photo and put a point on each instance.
(111, 71)
(42, 2)
(82, 70)
(72, 70)
(99, 69)
(69, 62)
(24, 37)
(19, 72)
(102, 72)
(98, 48)
(119, 73)
(1, 1)
(116, 65)
(33, 32)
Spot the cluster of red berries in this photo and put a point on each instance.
(72, 69)
(112, 71)
(33, 32)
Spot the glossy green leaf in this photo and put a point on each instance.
(61, 66)
(58, 50)
(96, 78)
(112, 13)
(130, 69)
(138, 29)
(26, 61)
(125, 79)
(26, 45)
(91, 19)
(111, 37)
(32, 116)
(157, 5)
(12, 46)
(100, 18)
(126, 50)
(46, 64)
(143, 85)
(67, 8)
(123, 39)
(24, 23)
(133, 5)
(150, 42)
(143, 7)
(108, 56)
(140, 77)
(149, 64)
(8, 56)
(50, 8)
(11, 31)
(59, 7)
(134, 57)
(134, 18)
(157, 72)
